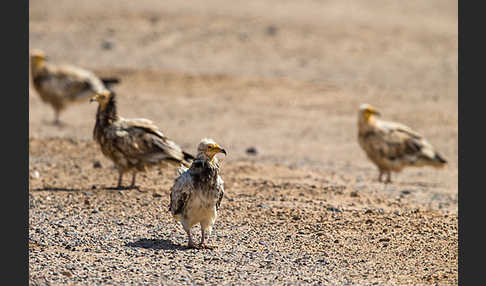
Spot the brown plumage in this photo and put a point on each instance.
(63, 85)
(393, 146)
(133, 144)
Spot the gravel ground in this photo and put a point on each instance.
(278, 84)
(296, 226)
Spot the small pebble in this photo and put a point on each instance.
(35, 175)
(271, 30)
(107, 44)
(333, 209)
(251, 151)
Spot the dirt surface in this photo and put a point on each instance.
(282, 77)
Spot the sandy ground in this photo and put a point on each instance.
(284, 77)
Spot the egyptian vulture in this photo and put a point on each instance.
(196, 195)
(393, 146)
(132, 144)
(63, 85)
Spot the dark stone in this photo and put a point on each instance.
(405, 192)
(333, 209)
(271, 30)
(251, 151)
(107, 45)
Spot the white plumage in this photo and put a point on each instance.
(196, 195)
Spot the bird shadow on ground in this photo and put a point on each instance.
(56, 189)
(136, 188)
(52, 123)
(156, 244)
(418, 184)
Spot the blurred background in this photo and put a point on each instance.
(283, 78)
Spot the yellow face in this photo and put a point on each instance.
(101, 97)
(369, 111)
(213, 149)
(37, 58)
